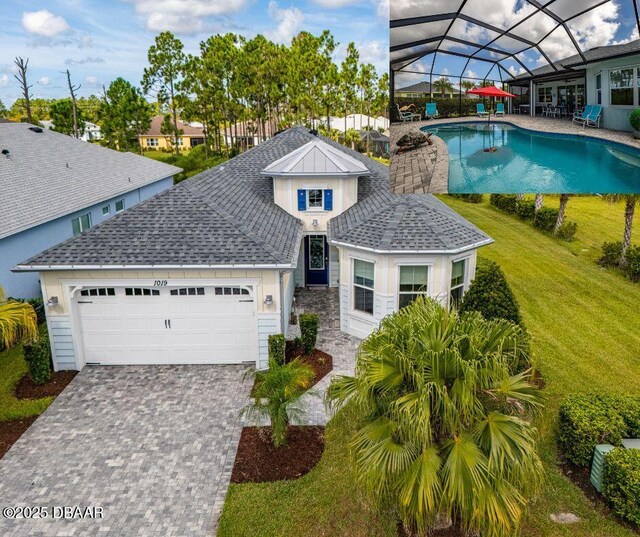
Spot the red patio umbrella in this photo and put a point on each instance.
(490, 91)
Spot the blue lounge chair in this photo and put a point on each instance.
(431, 111)
(581, 117)
(406, 115)
(593, 119)
(499, 109)
(480, 110)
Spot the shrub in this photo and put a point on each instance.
(277, 346)
(621, 482)
(632, 268)
(634, 119)
(490, 294)
(446, 107)
(526, 209)
(545, 219)
(504, 202)
(38, 306)
(567, 231)
(469, 198)
(38, 358)
(588, 420)
(611, 252)
(309, 331)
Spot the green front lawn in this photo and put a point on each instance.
(12, 368)
(586, 336)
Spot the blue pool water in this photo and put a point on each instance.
(530, 162)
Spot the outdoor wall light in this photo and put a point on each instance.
(268, 300)
(53, 301)
(315, 222)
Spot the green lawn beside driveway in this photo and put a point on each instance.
(585, 328)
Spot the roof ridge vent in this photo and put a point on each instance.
(35, 129)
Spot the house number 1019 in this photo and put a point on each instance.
(160, 283)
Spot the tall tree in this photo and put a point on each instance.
(467, 85)
(4, 113)
(367, 85)
(72, 92)
(21, 77)
(348, 75)
(443, 85)
(124, 114)
(564, 200)
(166, 68)
(66, 119)
(630, 202)
(539, 202)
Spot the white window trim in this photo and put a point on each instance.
(79, 219)
(123, 205)
(430, 272)
(108, 208)
(634, 86)
(357, 312)
(315, 209)
(466, 280)
(152, 142)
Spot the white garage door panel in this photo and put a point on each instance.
(204, 329)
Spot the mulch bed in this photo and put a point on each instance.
(26, 389)
(11, 430)
(257, 461)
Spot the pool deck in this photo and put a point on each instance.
(426, 169)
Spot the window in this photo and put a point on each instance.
(119, 206)
(183, 291)
(314, 199)
(81, 223)
(621, 82)
(545, 95)
(180, 141)
(231, 291)
(458, 269)
(152, 142)
(413, 283)
(599, 88)
(99, 291)
(140, 291)
(106, 210)
(363, 282)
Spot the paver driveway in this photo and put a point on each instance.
(152, 445)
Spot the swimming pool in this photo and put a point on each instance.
(503, 158)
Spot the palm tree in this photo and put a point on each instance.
(445, 425)
(539, 203)
(564, 199)
(467, 85)
(629, 211)
(277, 396)
(18, 322)
(443, 85)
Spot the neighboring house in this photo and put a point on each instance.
(379, 143)
(246, 134)
(53, 186)
(192, 135)
(422, 90)
(358, 122)
(205, 272)
(92, 132)
(608, 75)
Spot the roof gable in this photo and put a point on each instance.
(316, 158)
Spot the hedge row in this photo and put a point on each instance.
(611, 253)
(446, 107)
(468, 198)
(621, 482)
(544, 219)
(588, 420)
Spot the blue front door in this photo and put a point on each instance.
(316, 260)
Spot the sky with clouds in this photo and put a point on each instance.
(610, 23)
(99, 40)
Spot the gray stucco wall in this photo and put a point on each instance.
(21, 246)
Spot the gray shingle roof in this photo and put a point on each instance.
(226, 216)
(48, 175)
(387, 222)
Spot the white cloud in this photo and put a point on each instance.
(375, 52)
(91, 81)
(44, 23)
(4, 80)
(82, 61)
(631, 37)
(44, 81)
(183, 16)
(289, 21)
(471, 74)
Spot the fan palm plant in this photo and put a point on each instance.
(277, 396)
(630, 201)
(443, 85)
(18, 322)
(445, 428)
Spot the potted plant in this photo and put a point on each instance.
(634, 119)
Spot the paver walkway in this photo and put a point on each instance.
(425, 169)
(153, 446)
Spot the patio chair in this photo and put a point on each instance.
(581, 116)
(499, 109)
(431, 111)
(407, 115)
(480, 110)
(593, 119)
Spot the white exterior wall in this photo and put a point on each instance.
(386, 281)
(66, 346)
(288, 289)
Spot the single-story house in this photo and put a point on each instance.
(607, 75)
(192, 135)
(423, 89)
(206, 271)
(379, 143)
(90, 133)
(357, 122)
(53, 187)
(247, 134)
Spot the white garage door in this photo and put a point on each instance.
(186, 325)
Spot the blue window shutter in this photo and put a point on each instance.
(302, 200)
(328, 200)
